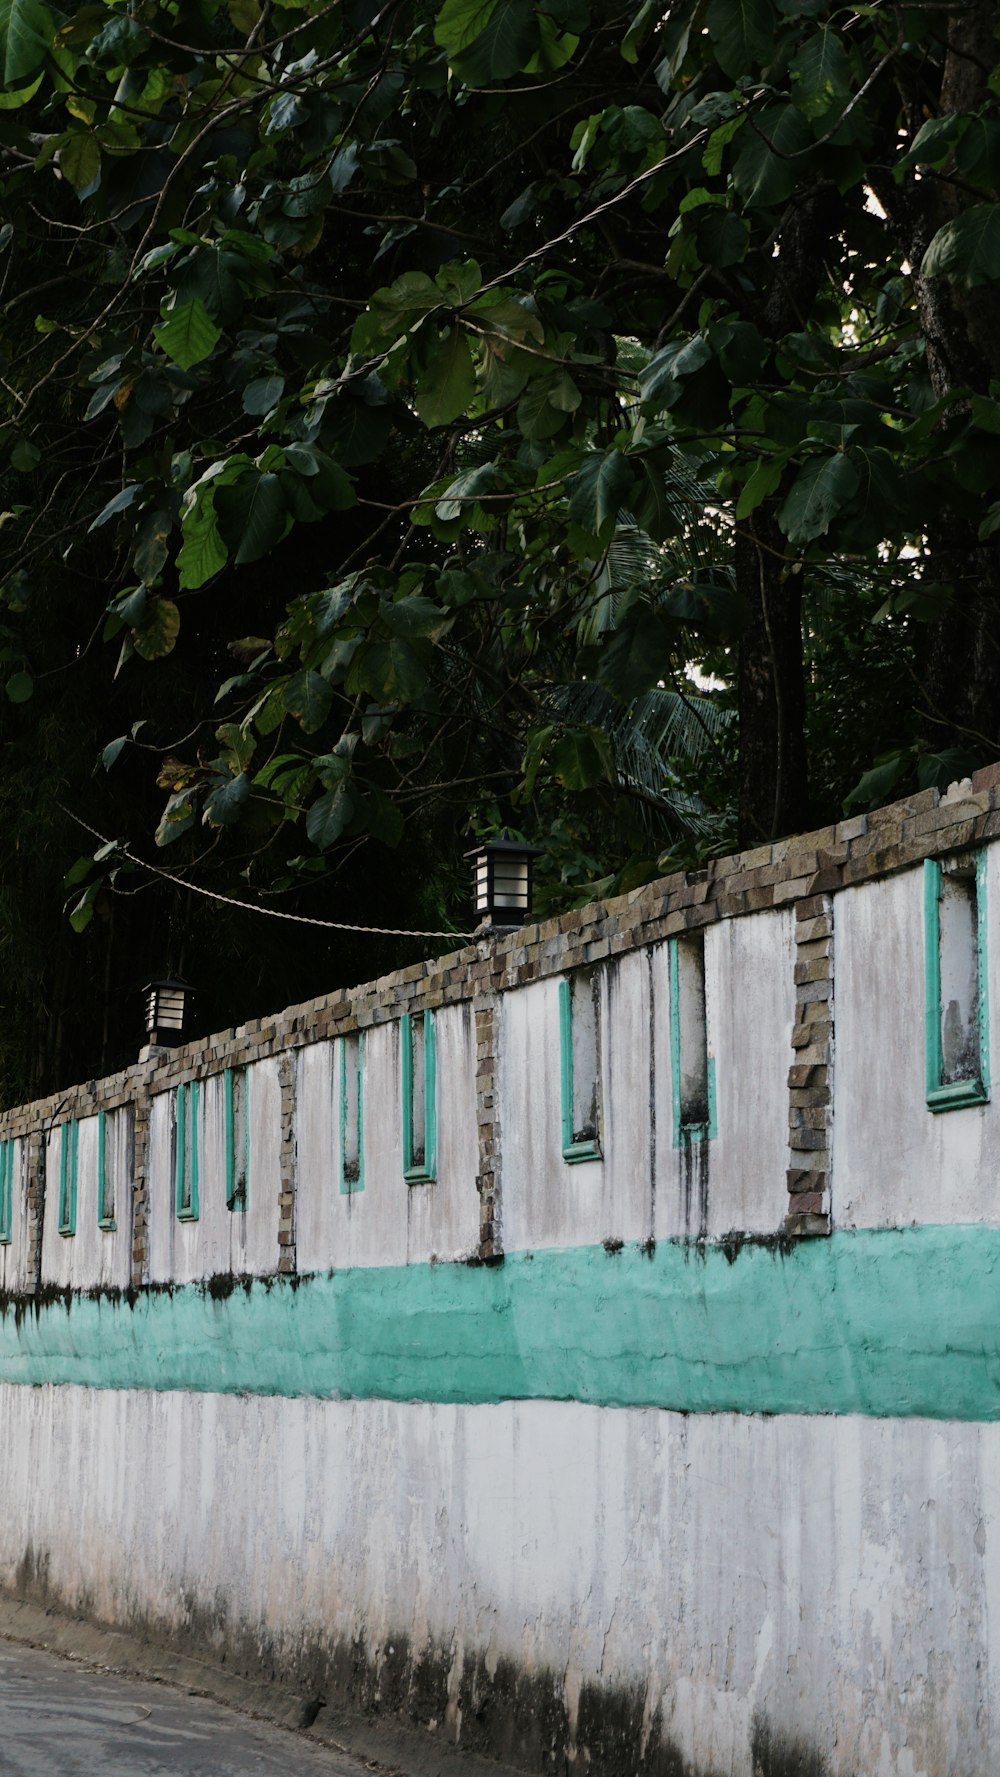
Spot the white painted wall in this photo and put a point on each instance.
(92, 1256)
(389, 1222)
(729, 1567)
(240, 1242)
(645, 1185)
(894, 1161)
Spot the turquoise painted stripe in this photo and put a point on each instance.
(889, 1323)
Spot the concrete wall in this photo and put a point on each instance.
(577, 1455)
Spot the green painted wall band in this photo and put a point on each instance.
(890, 1323)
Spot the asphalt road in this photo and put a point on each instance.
(60, 1719)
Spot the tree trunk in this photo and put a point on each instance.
(773, 782)
(961, 657)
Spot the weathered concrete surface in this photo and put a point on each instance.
(59, 1719)
(95, 1659)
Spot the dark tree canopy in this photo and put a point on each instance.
(422, 421)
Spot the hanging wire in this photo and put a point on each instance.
(302, 919)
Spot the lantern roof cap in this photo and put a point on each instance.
(169, 981)
(526, 851)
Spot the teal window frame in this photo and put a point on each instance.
(237, 1193)
(419, 1172)
(953, 1095)
(69, 1150)
(6, 1191)
(186, 1107)
(105, 1179)
(705, 1129)
(573, 1152)
(348, 1186)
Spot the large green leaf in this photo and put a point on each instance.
(159, 630)
(487, 40)
(80, 159)
(203, 552)
(308, 698)
(821, 74)
(446, 381)
(660, 381)
(252, 515)
(224, 804)
(816, 496)
(328, 816)
(769, 162)
(582, 758)
(392, 671)
(742, 32)
(601, 487)
(188, 334)
(966, 249)
(639, 655)
(26, 34)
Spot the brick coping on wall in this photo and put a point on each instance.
(808, 868)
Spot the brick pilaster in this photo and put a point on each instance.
(35, 1160)
(287, 1077)
(810, 1077)
(141, 1109)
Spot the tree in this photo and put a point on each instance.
(537, 350)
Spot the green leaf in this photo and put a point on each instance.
(25, 457)
(159, 631)
(328, 817)
(487, 40)
(26, 34)
(966, 249)
(83, 912)
(112, 750)
(446, 381)
(602, 486)
(932, 144)
(414, 617)
(878, 784)
(742, 32)
(385, 820)
(392, 671)
(308, 698)
(761, 483)
(80, 160)
(203, 552)
(461, 494)
(188, 334)
(638, 655)
(818, 493)
(20, 687)
(119, 503)
(660, 382)
(225, 803)
(263, 394)
(821, 75)
(769, 161)
(582, 758)
(252, 516)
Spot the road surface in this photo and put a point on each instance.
(60, 1719)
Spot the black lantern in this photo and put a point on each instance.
(166, 1006)
(502, 874)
